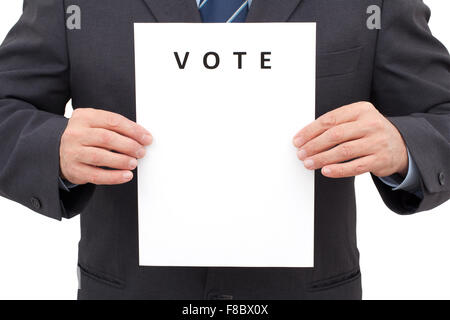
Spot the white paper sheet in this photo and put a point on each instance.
(221, 185)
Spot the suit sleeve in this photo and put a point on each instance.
(34, 89)
(411, 86)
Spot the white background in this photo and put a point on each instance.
(401, 257)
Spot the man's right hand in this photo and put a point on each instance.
(88, 143)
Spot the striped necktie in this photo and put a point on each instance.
(223, 10)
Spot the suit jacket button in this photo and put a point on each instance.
(220, 297)
(223, 297)
(442, 178)
(36, 203)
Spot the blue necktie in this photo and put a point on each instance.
(223, 10)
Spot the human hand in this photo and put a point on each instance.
(88, 143)
(350, 141)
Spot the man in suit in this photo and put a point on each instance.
(383, 106)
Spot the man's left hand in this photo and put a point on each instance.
(352, 140)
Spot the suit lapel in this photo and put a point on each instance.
(271, 10)
(174, 10)
(187, 11)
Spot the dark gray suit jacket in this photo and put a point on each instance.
(401, 68)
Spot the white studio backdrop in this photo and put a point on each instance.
(402, 257)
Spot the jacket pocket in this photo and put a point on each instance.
(100, 277)
(335, 281)
(338, 63)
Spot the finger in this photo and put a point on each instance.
(343, 152)
(350, 169)
(120, 124)
(332, 137)
(330, 119)
(110, 140)
(103, 158)
(100, 176)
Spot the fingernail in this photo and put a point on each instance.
(128, 175)
(141, 153)
(298, 142)
(147, 139)
(133, 164)
(309, 163)
(326, 170)
(301, 154)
